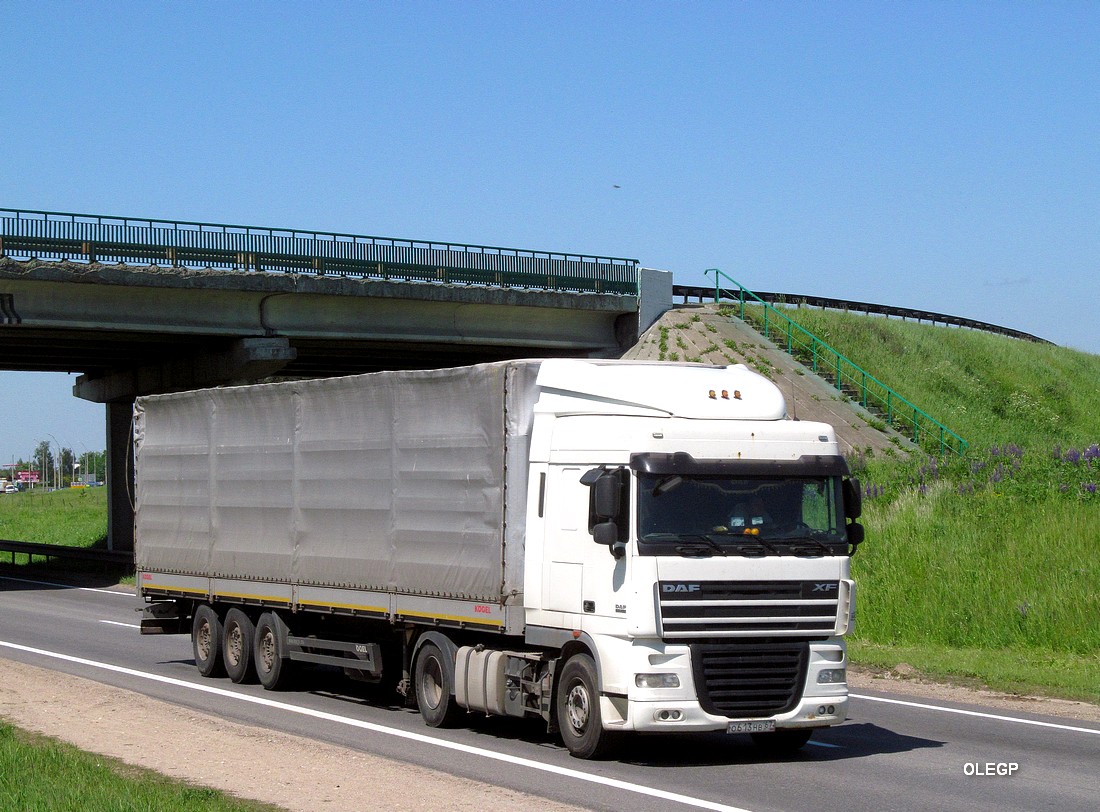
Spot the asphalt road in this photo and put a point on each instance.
(894, 753)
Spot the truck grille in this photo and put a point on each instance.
(748, 608)
(749, 680)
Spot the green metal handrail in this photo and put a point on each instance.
(823, 359)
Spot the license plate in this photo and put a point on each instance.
(752, 726)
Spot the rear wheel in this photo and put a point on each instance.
(578, 710)
(206, 641)
(237, 646)
(434, 689)
(782, 742)
(273, 666)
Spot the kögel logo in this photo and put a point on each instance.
(681, 588)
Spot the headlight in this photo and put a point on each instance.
(657, 680)
(829, 676)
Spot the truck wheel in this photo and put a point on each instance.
(206, 641)
(273, 667)
(782, 742)
(578, 710)
(434, 688)
(237, 648)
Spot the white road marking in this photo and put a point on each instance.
(389, 731)
(70, 586)
(998, 717)
(117, 623)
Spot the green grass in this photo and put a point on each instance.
(74, 517)
(981, 569)
(37, 773)
(988, 388)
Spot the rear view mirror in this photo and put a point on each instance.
(853, 498)
(605, 506)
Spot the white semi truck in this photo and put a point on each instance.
(608, 546)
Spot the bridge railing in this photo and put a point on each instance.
(701, 292)
(100, 238)
(846, 376)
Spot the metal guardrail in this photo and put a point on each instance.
(846, 375)
(99, 238)
(47, 551)
(701, 292)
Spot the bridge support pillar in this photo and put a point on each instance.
(120, 477)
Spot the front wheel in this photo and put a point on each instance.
(578, 710)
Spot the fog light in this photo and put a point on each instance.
(668, 716)
(657, 680)
(827, 676)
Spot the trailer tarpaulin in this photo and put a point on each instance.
(409, 482)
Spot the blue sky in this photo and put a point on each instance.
(935, 155)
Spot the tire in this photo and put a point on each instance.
(434, 679)
(206, 641)
(273, 667)
(238, 636)
(578, 710)
(782, 742)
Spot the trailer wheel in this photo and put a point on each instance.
(782, 742)
(237, 648)
(578, 710)
(435, 689)
(273, 666)
(206, 641)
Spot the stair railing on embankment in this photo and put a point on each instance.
(845, 375)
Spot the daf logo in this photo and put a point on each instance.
(824, 587)
(681, 588)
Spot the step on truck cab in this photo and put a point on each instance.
(612, 547)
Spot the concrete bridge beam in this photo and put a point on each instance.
(246, 359)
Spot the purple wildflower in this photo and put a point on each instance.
(1090, 487)
(1073, 456)
(998, 474)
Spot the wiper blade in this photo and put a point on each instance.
(711, 543)
(690, 549)
(811, 543)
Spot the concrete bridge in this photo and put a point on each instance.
(141, 307)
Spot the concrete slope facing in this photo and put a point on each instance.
(699, 333)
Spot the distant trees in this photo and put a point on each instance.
(60, 467)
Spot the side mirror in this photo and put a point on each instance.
(608, 492)
(605, 533)
(853, 498)
(855, 535)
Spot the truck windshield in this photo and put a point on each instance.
(720, 515)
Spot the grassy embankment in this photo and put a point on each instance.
(40, 773)
(981, 569)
